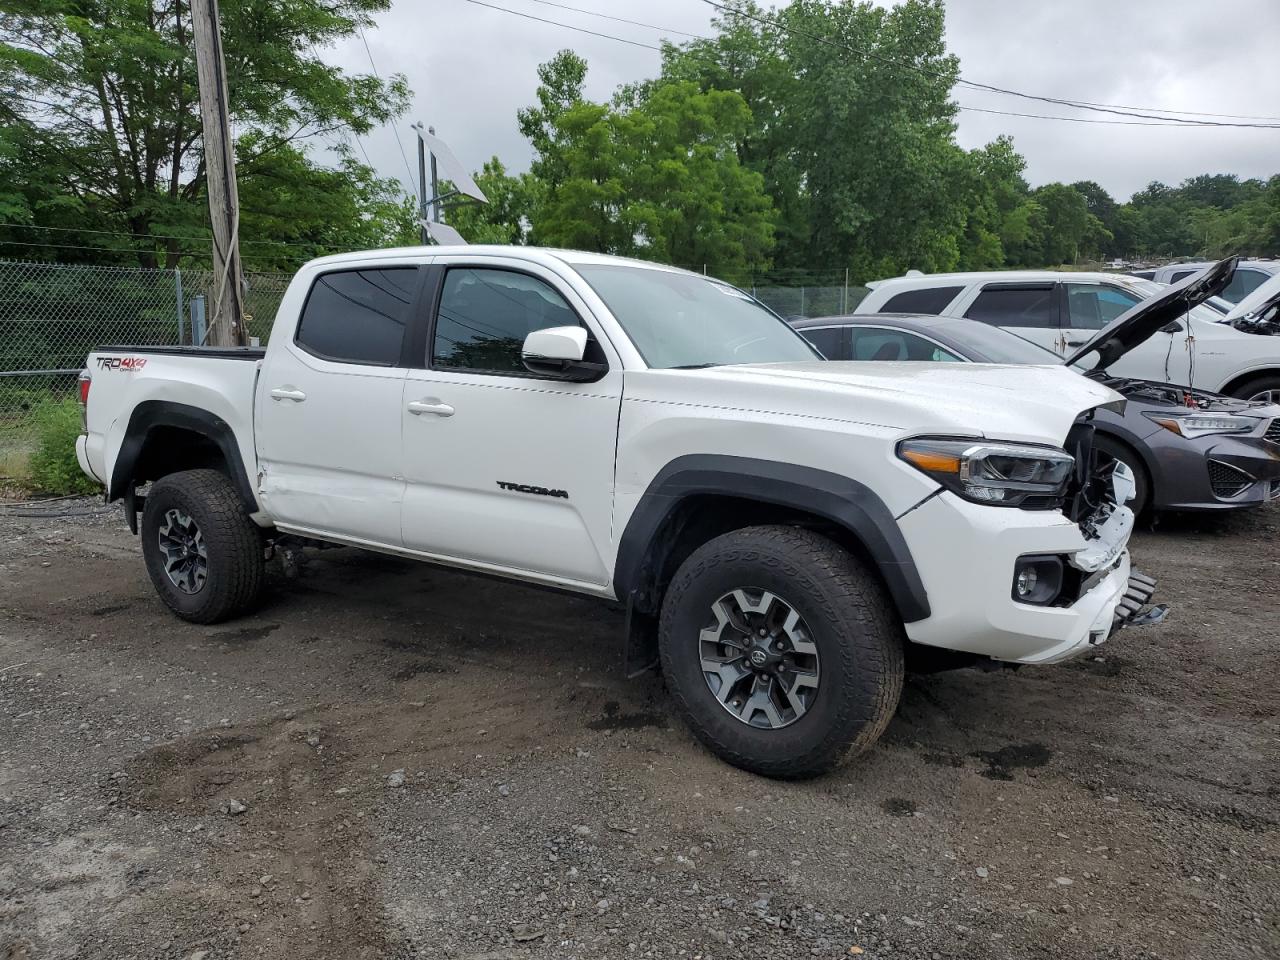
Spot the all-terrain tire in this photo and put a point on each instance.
(850, 620)
(232, 542)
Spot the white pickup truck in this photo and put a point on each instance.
(790, 529)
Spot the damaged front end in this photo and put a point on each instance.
(1096, 500)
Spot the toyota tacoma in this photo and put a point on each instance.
(792, 531)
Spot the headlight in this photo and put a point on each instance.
(1002, 474)
(1193, 425)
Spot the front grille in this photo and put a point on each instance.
(1273, 430)
(1227, 481)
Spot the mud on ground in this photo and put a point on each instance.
(391, 760)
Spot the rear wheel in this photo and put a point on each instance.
(203, 553)
(1115, 450)
(782, 651)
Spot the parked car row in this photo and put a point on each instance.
(1062, 311)
(1189, 449)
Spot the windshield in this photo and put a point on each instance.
(995, 345)
(683, 320)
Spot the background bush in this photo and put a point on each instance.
(53, 467)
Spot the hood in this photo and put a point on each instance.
(1140, 323)
(1035, 404)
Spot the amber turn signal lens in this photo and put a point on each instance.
(933, 462)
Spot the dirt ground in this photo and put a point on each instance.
(391, 760)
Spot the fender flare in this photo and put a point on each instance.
(840, 500)
(150, 414)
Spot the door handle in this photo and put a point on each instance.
(430, 405)
(288, 393)
(1075, 343)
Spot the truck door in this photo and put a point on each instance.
(329, 404)
(507, 470)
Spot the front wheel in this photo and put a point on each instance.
(1265, 389)
(203, 553)
(782, 650)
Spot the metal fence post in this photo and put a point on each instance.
(197, 320)
(177, 291)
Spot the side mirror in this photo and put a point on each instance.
(558, 352)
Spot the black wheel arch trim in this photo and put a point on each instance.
(150, 414)
(840, 500)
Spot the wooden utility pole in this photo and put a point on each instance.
(226, 319)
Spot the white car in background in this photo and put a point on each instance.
(1061, 310)
(1250, 274)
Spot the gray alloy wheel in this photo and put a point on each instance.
(758, 658)
(186, 561)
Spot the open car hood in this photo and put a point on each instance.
(1258, 313)
(1141, 322)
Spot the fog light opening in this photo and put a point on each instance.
(1037, 580)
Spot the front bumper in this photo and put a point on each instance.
(966, 554)
(1202, 474)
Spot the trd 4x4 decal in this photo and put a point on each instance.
(121, 363)
(528, 488)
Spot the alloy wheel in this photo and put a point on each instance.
(186, 562)
(759, 659)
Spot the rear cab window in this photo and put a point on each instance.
(358, 316)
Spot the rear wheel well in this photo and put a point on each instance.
(1244, 379)
(169, 449)
(699, 518)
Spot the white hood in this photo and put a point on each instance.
(1009, 402)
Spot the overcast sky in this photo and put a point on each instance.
(471, 68)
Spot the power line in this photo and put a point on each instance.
(394, 130)
(607, 16)
(148, 236)
(1078, 104)
(567, 26)
(1167, 121)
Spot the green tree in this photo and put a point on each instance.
(104, 93)
(655, 174)
(1070, 229)
(508, 215)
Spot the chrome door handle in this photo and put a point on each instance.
(430, 405)
(288, 393)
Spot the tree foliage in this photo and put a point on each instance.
(100, 125)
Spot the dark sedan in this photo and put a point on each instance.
(1188, 449)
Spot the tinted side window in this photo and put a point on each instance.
(828, 340)
(932, 300)
(358, 316)
(1016, 307)
(485, 315)
(877, 343)
(1092, 307)
(1243, 282)
(1180, 274)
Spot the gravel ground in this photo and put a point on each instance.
(391, 760)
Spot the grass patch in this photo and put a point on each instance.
(52, 467)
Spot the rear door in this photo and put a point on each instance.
(1029, 309)
(506, 469)
(1088, 306)
(329, 406)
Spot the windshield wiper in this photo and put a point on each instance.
(696, 366)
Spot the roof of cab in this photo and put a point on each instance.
(544, 255)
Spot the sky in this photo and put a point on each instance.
(471, 67)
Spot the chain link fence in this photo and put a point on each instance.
(52, 315)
